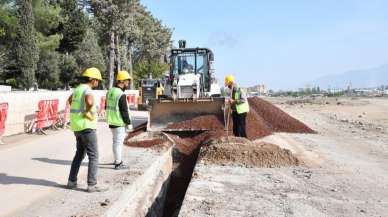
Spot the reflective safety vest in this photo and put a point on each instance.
(113, 115)
(243, 107)
(77, 120)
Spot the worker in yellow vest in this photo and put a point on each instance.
(83, 121)
(239, 105)
(118, 116)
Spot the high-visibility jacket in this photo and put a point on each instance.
(77, 120)
(113, 115)
(242, 107)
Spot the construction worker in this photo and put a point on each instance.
(83, 121)
(117, 116)
(239, 105)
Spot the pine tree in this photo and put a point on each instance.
(89, 53)
(68, 69)
(74, 26)
(26, 49)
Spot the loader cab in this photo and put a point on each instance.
(194, 61)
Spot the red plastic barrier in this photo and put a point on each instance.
(3, 117)
(131, 98)
(101, 109)
(66, 114)
(53, 111)
(47, 114)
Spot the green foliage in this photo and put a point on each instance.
(142, 68)
(48, 71)
(51, 41)
(11, 82)
(47, 21)
(69, 69)
(26, 48)
(89, 53)
(8, 23)
(74, 26)
(3, 61)
(47, 17)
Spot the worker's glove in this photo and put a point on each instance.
(89, 115)
(129, 128)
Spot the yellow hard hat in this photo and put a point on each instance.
(122, 76)
(92, 73)
(229, 79)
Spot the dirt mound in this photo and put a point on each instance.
(145, 143)
(276, 119)
(262, 120)
(210, 122)
(242, 152)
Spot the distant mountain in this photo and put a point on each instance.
(358, 78)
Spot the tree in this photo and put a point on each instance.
(3, 62)
(108, 14)
(68, 68)
(48, 71)
(47, 20)
(26, 48)
(143, 68)
(89, 53)
(74, 26)
(8, 23)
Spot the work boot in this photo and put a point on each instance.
(120, 166)
(71, 185)
(97, 188)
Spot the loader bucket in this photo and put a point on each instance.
(167, 112)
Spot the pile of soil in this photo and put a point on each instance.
(187, 145)
(210, 122)
(145, 143)
(276, 119)
(262, 120)
(244, 153)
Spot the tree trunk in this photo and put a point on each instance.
(111, 59)
(118, 57)
(130, 64)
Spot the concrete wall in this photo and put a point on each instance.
(23, 105)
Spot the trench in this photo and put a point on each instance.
(172, 193)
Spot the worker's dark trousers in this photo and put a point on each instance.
(86, 144)
(239, 124)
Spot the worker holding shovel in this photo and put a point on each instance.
(238, 103)
(118, 117)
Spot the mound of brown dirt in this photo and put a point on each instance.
(276, 119)
(145, 143)
(262, 120)
(256, 127)
(209, 122)
(242, 152)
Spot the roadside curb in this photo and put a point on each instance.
(138, 198)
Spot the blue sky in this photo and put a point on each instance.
(281, 43)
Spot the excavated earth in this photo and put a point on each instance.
(244, 153)
(262, 120)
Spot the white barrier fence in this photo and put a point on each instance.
(22, 106)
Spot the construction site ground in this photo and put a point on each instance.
(341, 171)
(345, 171)
(34, 171)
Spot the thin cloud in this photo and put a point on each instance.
(222, 39)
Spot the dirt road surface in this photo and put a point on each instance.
(346, 171)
